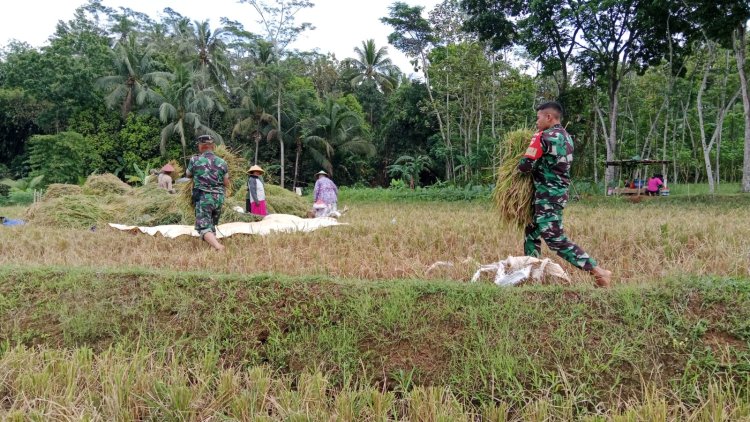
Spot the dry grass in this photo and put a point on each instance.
(638, 243)
(125, 386)
(514, 191)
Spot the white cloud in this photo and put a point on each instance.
(340, 25)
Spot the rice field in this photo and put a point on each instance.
(356, 323)
(639, 242)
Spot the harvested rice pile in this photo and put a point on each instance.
(514, 191)
(72, 211)
(285, 202)
(105, 184)
(57, 190)
(144, 206)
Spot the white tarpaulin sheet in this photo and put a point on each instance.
(271, 223)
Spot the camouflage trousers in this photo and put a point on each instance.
(548, 225)
(207, 211)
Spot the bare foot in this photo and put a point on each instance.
(210, 238)
(602, 277)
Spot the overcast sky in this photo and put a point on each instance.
(340, 25)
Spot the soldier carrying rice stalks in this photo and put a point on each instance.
(210, 180)
(548, 159)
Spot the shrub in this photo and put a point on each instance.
(61, 158)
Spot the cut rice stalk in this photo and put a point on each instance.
(514, 191)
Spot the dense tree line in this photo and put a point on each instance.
(125, 92)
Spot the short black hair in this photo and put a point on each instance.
(551, 104)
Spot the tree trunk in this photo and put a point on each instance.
(739, 50)
(595, 138)
(609, 173)
(449, 165)
(600, 116)
(257, 143)
(279, 134)
(721, 113)
(296, 163)
(706, 146)
(447, 122)
(492, 101)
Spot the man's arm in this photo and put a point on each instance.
(226, 180)
(533, 153)
(189, 170)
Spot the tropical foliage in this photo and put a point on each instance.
(137, 90)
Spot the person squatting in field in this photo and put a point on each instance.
(210, 179)
(548, 159)
(325, 196)
(164, 179)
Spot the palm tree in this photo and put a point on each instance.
(373, 64)
(135, 76)
(182, 107)
(338, 131)
(207, 52)
(256, 121)
(301, 133)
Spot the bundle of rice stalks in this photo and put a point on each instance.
(105, 184)
(57, 190)
(514, 191)
(151, 206)
(237, 167)
(282, 201)
(72, 211)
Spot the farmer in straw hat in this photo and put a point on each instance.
(210, 179)
(164, 180)
(325, 196)
(256, 192)
(548, 159)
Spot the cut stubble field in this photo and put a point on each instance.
(347, 323)
(639, 242)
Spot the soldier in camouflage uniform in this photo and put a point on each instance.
(210, 179)
(548, 159)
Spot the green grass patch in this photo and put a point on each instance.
(431, 193)
(485, 344)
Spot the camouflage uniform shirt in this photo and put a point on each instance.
(208, 172)
(551, 172)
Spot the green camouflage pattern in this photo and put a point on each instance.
(208, 171)
(551, 175)
(551, 172)
(207, 211)
(548, 225)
